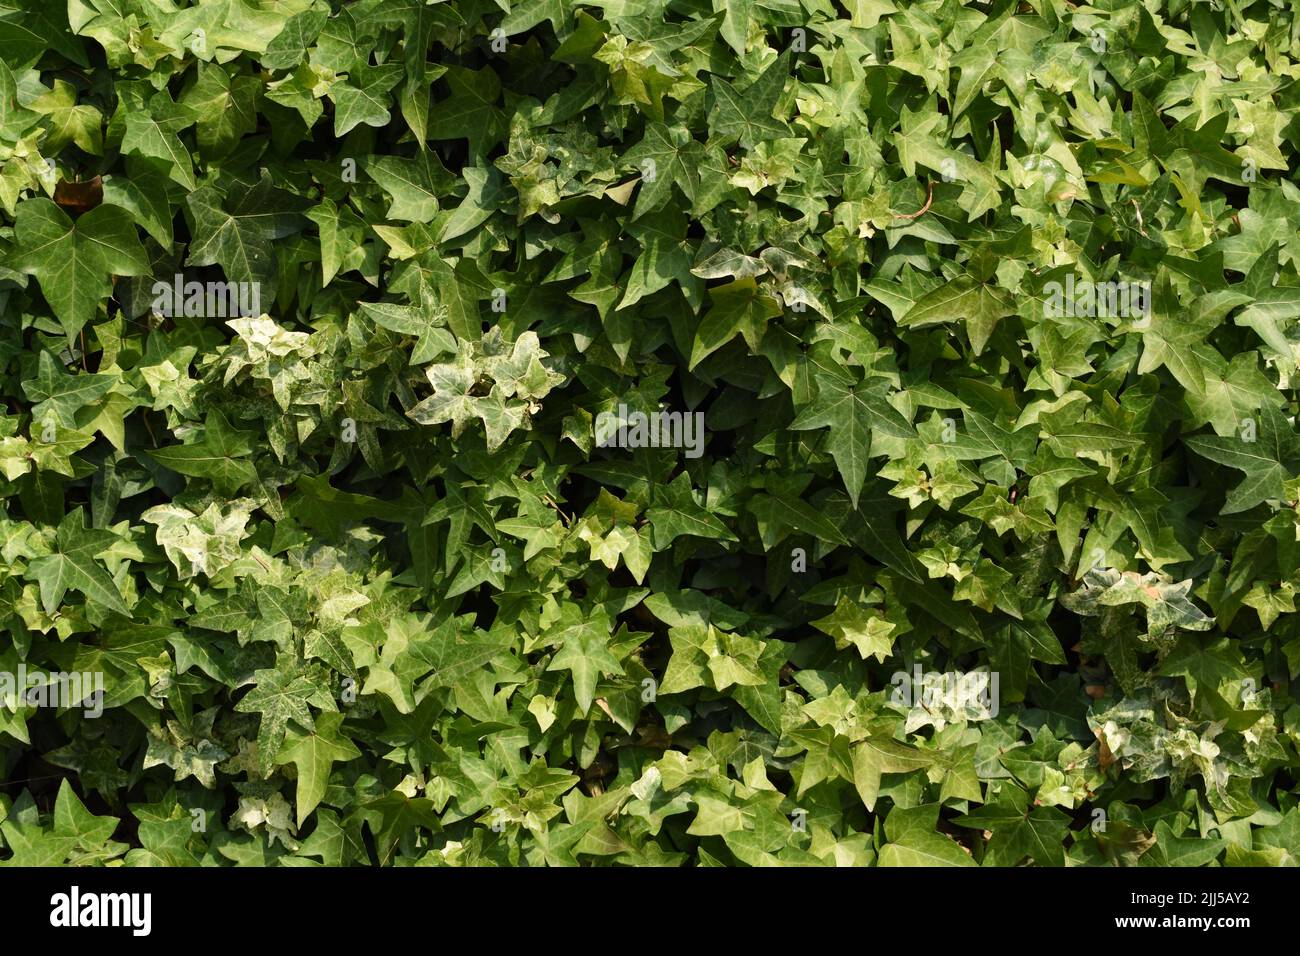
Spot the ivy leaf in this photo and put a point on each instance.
(279, 696)
(366, 102)
(850, 624)
(1171, 850)
(313, 755)
(152, 132)
(61, 395)
(69, 121)
(218, 456)
(1019, 831)
(239, 235)
(585, 653)
(913, 842)
(737, 308)
(666, 155)
(223, 107)
(412, 184)
(981, 306)
(853, 413)
(747, 117)
(675, 513)
(1268, 460)
(470, 112)
(425, 321)
(73, 262)
(879, 755)
(32, 845)
(92, 833)
(71, 565)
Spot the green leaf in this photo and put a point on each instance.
(279, 696)
(853, 413)
(238, 235)
(1268, 459)
(218, 456)
(313, 755)
(913, 842)
(71, 565)
(74, 262)
(367, 102)
(675, 513)
(738, 308)
(584, 652)
(981, 306)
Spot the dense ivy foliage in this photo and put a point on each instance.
(333, 334)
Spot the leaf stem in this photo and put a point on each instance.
(929, 198)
